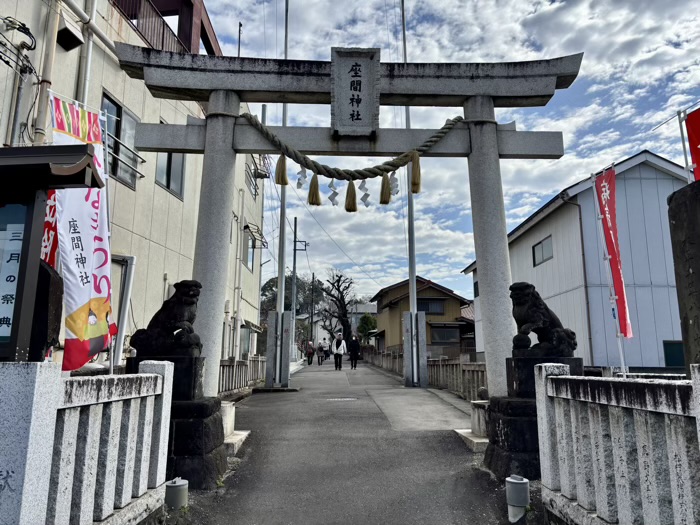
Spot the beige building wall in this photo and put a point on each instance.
(391, 319)
(148, 221)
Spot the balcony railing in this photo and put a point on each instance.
(150, 24)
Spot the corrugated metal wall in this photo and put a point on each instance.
(647, 265)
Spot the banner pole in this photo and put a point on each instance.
(681, 118)
(608, 274)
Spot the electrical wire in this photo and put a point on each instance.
(133, 317)
(301, 200)
(307, 257)
(264, 9)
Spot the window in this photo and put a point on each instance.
(673, 354)
(476, 289)
(245, 342)
(441, 335)
(250, 180)
(542, 251)
(121, 129)
(431, 306)
(248, 248)
(170, 171)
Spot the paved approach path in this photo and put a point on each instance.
(352, 446)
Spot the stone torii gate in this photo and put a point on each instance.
(225, 82)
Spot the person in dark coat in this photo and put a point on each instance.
(354, 350)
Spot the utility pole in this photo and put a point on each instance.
(240, 29)
(283, 220)
(311, 330)
(294, 286)
(412, 293)
(294, 280)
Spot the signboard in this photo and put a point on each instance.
(11, 237)
(355, 91)
(82, 226)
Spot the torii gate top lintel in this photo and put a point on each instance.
(510, 84)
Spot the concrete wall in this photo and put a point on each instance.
(149, 221)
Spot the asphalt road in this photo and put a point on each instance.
(352, 446)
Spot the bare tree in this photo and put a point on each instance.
(340, 296)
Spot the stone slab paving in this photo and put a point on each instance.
(352, 446)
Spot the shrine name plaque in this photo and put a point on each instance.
(355, 91)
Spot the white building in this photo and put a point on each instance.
(153, 197)
(357, 311)
(559, 250)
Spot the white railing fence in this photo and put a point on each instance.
(463, 379)
(390, 359)
(616, 450)
(235, 375)
(82, 450)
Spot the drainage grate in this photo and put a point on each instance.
(342, 399)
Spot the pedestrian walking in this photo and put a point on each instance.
(310, 353)
(326, 349)
(354, 350)
(320, 354)
(339, 349)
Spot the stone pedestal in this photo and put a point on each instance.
(512, 421)
(520, 372)
(196, 449)
(187, 376)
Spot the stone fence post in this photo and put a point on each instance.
(546, 424)
(30, 395)
(161, 420)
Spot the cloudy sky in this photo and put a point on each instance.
(640, 65)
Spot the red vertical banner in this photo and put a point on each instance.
(49, 241)
(692, 126)
(605, 193)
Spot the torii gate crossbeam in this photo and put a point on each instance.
(225, 82)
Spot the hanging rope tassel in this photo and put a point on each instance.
(281, 171)
(385, 192)
(350, 199)
(415, 172)
(314, 192)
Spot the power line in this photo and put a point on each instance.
(307, 258)
(330, 237)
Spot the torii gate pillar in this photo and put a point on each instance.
(490, 240)
(212, 248)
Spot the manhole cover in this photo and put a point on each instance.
(342, 399)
